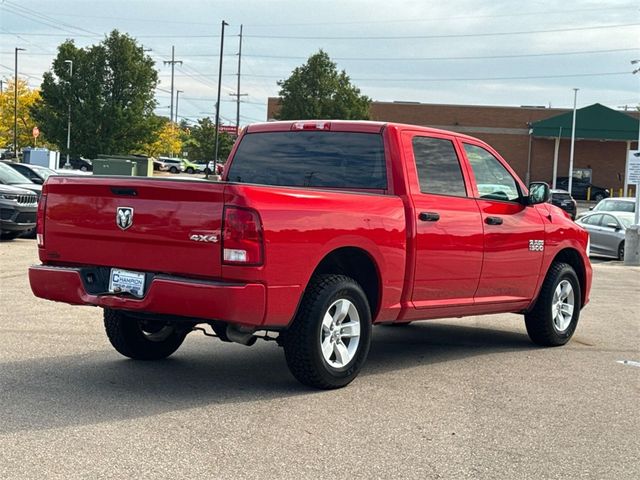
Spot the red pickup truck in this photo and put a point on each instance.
(318, 231)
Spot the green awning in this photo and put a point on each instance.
(595, 122)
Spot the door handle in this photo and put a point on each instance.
(429, 216)
(493, 221)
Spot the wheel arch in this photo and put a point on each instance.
(572, 257)
(356, 263)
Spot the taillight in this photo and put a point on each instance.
(42, 206)
(242, 242)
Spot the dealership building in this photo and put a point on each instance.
(534, 140)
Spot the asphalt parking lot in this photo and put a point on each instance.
(459, 398)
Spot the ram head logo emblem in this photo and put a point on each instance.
(124, 217)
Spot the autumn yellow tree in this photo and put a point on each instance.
(166, 141)
(26, 98)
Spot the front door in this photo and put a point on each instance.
(513, 233)
(447, 223)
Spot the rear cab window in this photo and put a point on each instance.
(311, 159)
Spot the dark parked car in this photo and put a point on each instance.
(77, 163)
(17, 211)
(8, 176)
(35, 173)
(564, 200)
(580, 188)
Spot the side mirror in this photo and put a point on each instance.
(591, 207)
(539, 192)
(613, 225)
(37, 180)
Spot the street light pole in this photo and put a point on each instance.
(573, 137)
(632, 234)
(215, 154)
(15, 105)
(178, 92)
(68, 164)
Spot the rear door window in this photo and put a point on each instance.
(311, 159)
(593, 220)
(438, 167)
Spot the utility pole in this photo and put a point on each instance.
(178, 92)
(15, 105)
(68, 164)
(1, 86)
(238, 94)
(172, 62)
(215, 154)
(573, 138)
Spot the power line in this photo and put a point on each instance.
(472, 57)
(449, 18)
(465, 79)
(393, 37)
(451, 35)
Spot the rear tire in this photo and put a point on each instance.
(173, 170)
(598, 197)
(554, 318)
(142, 339)
(9, 235)
(329, 340)
(190, 171)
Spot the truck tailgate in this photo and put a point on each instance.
(173, 226)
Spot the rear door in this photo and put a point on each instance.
(163, 226)
(513, 233)
(447, 222)
(591, 224)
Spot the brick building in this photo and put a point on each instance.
(509, 130)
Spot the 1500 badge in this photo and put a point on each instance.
(536, 245)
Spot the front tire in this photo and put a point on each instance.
(142, 339)
(621, 251)
(598, 197)
(554, 318)
(329, 340)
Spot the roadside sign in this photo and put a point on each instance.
(229, 129)
(35, 132)
(633, 169)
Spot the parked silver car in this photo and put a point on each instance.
(618, 204)
(606, 231)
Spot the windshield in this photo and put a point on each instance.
(9, 176)
(44, 172)
(615, 206)
(311, 159)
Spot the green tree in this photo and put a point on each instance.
(316, 90)
(111, 93)
(200, 143)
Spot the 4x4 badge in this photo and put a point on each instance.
(124, 217)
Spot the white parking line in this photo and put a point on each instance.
(631, 363)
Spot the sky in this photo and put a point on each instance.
(501, 52)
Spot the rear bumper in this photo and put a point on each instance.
(207, 300)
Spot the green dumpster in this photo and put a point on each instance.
(144, 165)
(114, 166)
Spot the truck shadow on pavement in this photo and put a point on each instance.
(100, 386)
